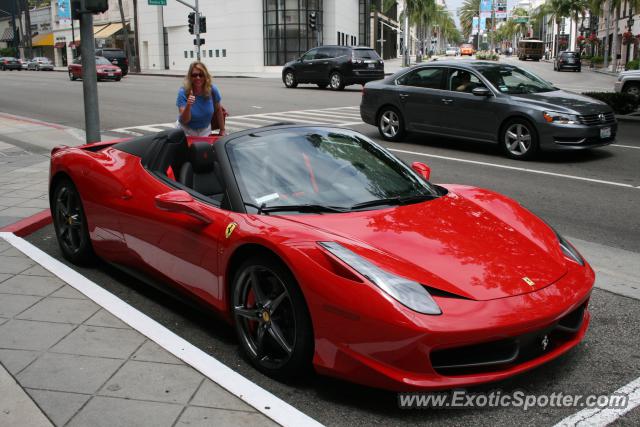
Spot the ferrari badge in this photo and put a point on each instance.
(529, 281)
(229, 231)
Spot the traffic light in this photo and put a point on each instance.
(203, 24)
(88, 6)
(312, 20)
(192, 22)
(195, 42)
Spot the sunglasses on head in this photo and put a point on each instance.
(197, 75)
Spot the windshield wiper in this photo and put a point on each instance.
(310, 208)
(399, 200)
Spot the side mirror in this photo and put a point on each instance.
(421, 169)
(481, 91)
(180, 201)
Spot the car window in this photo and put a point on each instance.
(463, 81)
(365, 54)
(310, 55)
(430, 78)
(513, 80)
(100, 60)
(325, 52)
(571, 55)
(115, 53)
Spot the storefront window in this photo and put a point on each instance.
(286, 32)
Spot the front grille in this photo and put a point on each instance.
(501, 354)
(595, 119)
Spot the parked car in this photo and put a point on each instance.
(23, 63)
(467, 49)
(40, 63)
(334, 66)
(485, 101)
(567, 60)
(452, 51)
(104, 69)
(10, 63)
(530, 49)
(116, 57)
(628, 82)
(321, 248)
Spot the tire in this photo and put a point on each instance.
(290, 79)
(70, 223)
(336, 82)
(71, 76)
(391, 124)
(272, 321)
(322, 85)
(519, 139)
(632, 89)
(37, 68)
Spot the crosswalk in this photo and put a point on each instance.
(338, 116)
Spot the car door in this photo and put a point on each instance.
(170, 246)
(76, 67)
(323, 64)
(465, 114)
(306, 67)
(419, 94)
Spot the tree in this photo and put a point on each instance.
(466, 13)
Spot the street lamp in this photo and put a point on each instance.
(630, 20)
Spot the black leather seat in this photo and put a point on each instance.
(199, 171)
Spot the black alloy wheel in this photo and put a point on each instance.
(632, 89)
(391, 124)
(290, 79)
(336, 81)
(519, 139)
(70, 223)
(271, 318)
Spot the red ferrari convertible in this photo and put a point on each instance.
(323, 249)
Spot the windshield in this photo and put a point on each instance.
(320, 170)
(513, 80)
(101, 60)
(365, 54)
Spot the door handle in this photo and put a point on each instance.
(325, 63)
(404, 96)
(447, 101)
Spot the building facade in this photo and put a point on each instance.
(245, 35)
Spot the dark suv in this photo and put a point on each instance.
(569, 60)
(334, 66)
(116, 57)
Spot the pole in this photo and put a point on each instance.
(381, 38)
(73, 39)
(135, 36)
(406, 60)
(89, 79)
(197, 30)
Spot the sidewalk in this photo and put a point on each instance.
(65, 360)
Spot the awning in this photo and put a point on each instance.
(108, 31)
(60, 45)
(97, 29)
(42, 40)
(7, 36)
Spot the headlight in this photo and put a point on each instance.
(560, 118)
(409, 293)
(568, 250)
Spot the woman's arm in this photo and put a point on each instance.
(185, 112)
(218, 117)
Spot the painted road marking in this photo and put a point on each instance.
(264, 401)
(605, 416)
(338, 116)
(534, 171)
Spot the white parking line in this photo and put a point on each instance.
(535, 171)
(605, 416)
(265, 402)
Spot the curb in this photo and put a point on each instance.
(29, 225)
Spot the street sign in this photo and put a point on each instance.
(157, 2)
(521, 20)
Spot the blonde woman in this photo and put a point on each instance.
(199, 102)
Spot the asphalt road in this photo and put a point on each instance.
(593, 196)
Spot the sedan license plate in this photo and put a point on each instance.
(372, 65)
(605, 133)
(110, 74)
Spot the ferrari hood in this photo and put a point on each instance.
(452, 244)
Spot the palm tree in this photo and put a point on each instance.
(412, 10)
(466, 13)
